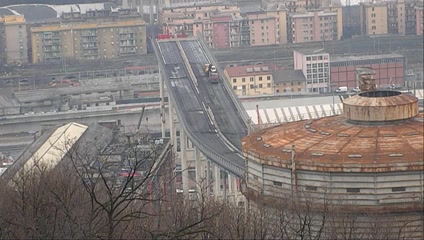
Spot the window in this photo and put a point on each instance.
(260, 78)
(252, 86)
(235, 88)
(311, 188)
(268, 85)
(398, 189)
(276, 183)
(298, 83)
(243, 80)
(299, 89)
(243, 87)
(260, 85)
(308, 58)
(268, 77)
(353, 190)
(234, 80)
(374, 28)
(251, 79)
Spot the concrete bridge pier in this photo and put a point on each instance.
(200, 175)
(217, 182)
(162, 103)
(208, 178)
(184, 163)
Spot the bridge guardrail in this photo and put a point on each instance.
(227, 86)
(213, 155)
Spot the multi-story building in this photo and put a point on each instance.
(13, 40)
(419, 19)
(314, 26)
(277, 13)
(389, 17)
(189, 20)
(374, 18)
(389, 69)
(315, 65)
(289, 81)
(88, 40)
(316, 20)
(251, 80)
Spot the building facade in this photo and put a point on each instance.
(315, 65)
(13, 40)
(315, 26)
(289, 81)
(389, 69)
(251, 80)
(374, 18)
(419, 20)
(389, 17)
(88, 40)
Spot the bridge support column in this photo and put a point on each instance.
(224, 185)
(162, 103)
(230, 185)
(172, 127)
(184, 165)
(199, 175)
(217, 187)
(208, 177)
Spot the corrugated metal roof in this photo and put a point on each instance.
(56, 146)
(333, 144)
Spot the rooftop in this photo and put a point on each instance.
(288, 76)
(53, 144)
(86, 25)
(332, 144)
(250, 70)
(48, 94)
(305, 51)
(364, 57)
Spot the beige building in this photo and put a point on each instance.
(315, 26)
(389, 17)
(289, 81)
(13, 40)
(88, 40)
(250, 80)
(374, 18)
(267, 27)
(419, 19)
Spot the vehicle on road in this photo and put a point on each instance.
(212, 73)
(341, 90)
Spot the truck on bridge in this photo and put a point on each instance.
(212, 73)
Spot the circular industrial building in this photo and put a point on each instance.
(370, 159)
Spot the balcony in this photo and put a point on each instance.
(52, 49)
(89, 46)
(51, 36)
(90, 39)
(50, 42)
(127, 50)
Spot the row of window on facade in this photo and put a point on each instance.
(315, 58)
(367, 62)
(349, 190)
(251, 79)
(253, 86)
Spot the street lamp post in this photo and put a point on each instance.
(332, 91)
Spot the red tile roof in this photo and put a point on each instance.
(249, 70)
